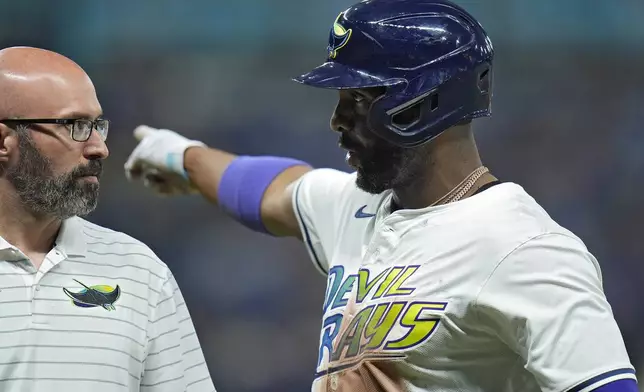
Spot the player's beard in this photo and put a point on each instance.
(385, 167)
(44, 194)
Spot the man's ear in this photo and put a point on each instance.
(8, 143)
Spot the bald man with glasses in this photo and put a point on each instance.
(82, 307)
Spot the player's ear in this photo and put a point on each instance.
(8, 143)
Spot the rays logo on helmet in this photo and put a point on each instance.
(338, 38)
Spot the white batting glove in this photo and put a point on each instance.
(158, 160)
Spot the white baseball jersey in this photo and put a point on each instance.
(101, 314)
(485, 294)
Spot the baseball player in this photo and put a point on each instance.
(440, 277)
(83, 308)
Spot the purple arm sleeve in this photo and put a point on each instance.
(243, 185)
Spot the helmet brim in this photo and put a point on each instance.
(338, 76)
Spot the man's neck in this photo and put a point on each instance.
(453, 157)
(434, 187)
(24, 230)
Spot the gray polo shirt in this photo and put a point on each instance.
(102, 314)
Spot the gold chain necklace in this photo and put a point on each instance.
(461, 189)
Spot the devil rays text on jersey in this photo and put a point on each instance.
(373, 315)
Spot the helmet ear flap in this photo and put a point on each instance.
(458, 100)
(485, 80)
(409, 114)
(395, 124)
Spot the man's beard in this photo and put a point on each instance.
(44, 194)
(389, 168)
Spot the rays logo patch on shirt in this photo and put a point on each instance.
(92, 296)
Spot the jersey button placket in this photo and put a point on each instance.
(35, 292)
(37, 310)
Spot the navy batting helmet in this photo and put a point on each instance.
(432, 56)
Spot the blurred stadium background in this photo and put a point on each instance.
(567, 125)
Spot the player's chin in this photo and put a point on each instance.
(373, 182)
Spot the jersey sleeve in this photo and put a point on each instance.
(545, 301)
(316, 198)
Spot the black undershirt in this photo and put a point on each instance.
(487, 186)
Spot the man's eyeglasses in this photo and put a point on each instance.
(80, 131)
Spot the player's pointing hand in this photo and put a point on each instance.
(158, 160)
